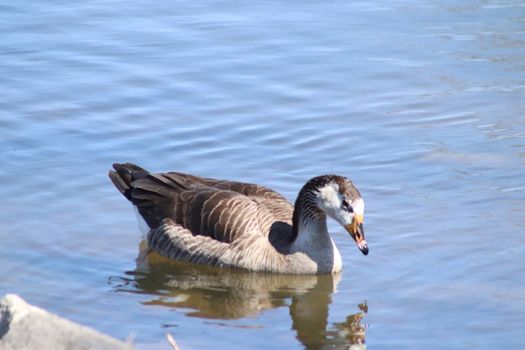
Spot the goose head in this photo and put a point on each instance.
(339, 199)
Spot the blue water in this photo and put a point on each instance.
(421, 104)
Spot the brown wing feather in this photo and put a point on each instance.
(223, 210)
(274, 202)
(281, 209)
(274, 212)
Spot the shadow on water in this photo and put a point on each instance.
(221, 294)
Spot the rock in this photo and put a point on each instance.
(27, 327)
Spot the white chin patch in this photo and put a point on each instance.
(359, 206)
(143, 226)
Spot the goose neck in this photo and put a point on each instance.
(307, 216)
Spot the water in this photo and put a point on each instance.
(421, 104)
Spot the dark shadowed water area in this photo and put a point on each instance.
(420, 103)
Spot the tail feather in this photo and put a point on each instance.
(151, 194)
(124, 175)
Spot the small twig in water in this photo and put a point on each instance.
(172, 341)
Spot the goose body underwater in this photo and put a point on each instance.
(240, 225)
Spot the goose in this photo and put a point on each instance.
(240, 225)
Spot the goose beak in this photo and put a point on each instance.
(358, 234)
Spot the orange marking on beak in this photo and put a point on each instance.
(353, 228)
(356, 231)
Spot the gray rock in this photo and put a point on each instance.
(23, 326)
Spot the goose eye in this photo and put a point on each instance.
(347, 206)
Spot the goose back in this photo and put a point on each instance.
(222, 210)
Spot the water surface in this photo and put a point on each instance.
(421, 104)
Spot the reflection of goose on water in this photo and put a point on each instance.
(239, 225)
(222, 294)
